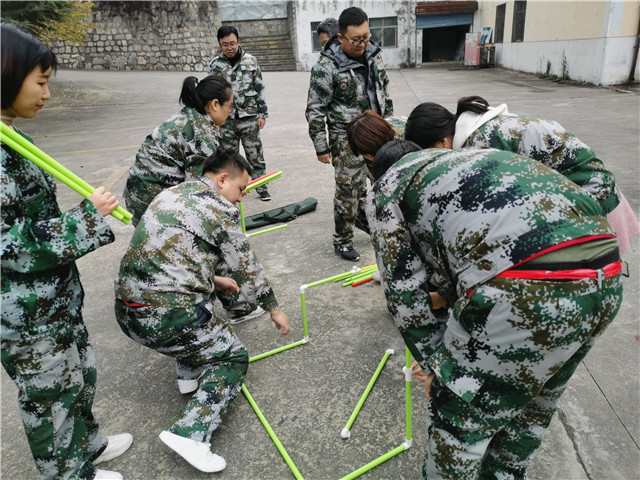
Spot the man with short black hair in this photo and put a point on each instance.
(348, 79)
(165, 294)
(249, 112)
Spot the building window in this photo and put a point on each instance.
(519, 15)
(499, 30)
(315, 40)
(384, 31)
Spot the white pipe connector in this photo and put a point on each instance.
(305, 340)
(390, 351)
(407, 374)
(303, 288)
(345, 433)
(407, 444)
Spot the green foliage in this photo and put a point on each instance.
(67, 21)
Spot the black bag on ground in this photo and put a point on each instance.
(282, 214)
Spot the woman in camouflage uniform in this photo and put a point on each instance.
(45, 344)
(176, 150)
(477, 124)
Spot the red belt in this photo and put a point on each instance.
(609, 271)
(134, 304)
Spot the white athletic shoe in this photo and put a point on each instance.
(118, 444)
(188, 386)
(233, 320)
(198, 454)
(107, 475)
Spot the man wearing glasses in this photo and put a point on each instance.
(249, 112)
(348, 79)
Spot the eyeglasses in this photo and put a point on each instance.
(359, 41)
(228, 45)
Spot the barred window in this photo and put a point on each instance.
(519, 16)
(315, 40)
(384, 31)
(499, 30)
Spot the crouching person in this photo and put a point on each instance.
(165, 294)
(536, 270)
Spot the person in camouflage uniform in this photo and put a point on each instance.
(368, 131)
(45, 344)
(176, 150)
(477, 124)
(348, 79)
(164, 296)
(536, 270)
(249, 112)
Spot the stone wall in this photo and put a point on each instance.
(146, 35)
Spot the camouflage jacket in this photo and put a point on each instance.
(468, 215)
(174, 152)
(249, 92)
(337, 92)
(185, 233)
(548, 142)
(39, 247)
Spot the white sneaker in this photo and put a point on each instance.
(118, 444)
(107, 475)
(188, 386)
(198, 454)
(235, 320)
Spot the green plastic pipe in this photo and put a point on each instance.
(71, 183)
(272, 434)
(241, 208)
(24, 147)
(345, 431)
(267, 230)
(259, 183)
(303, 304)
(277, 350)
(11, 133)
(375, 463)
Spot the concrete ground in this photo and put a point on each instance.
(94, 125)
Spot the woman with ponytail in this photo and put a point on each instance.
(477, 124)
(176, 150)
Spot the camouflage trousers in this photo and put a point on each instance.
(246, 130)
(199, 342)
(500, 372)
(349, 200)
(55, 373)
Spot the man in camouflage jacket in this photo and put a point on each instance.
(45, 343)
(249, 112)
(173, 153)
(165, 289)
(348, 79)
(536, 271)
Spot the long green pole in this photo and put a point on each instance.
(345, 431)
(272, 434)
(277, 350)
(241, 208)
(267, 230)
(28, 150)
(303, 304)
(375, 463)
(264, 180)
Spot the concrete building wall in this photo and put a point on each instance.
(586, 41)
(403, 55)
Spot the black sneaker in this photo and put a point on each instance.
(347, 252)
(264, 195)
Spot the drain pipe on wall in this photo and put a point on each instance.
(634, 62)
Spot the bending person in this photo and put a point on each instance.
(45, 343)
(165, 294)
(536, 269)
